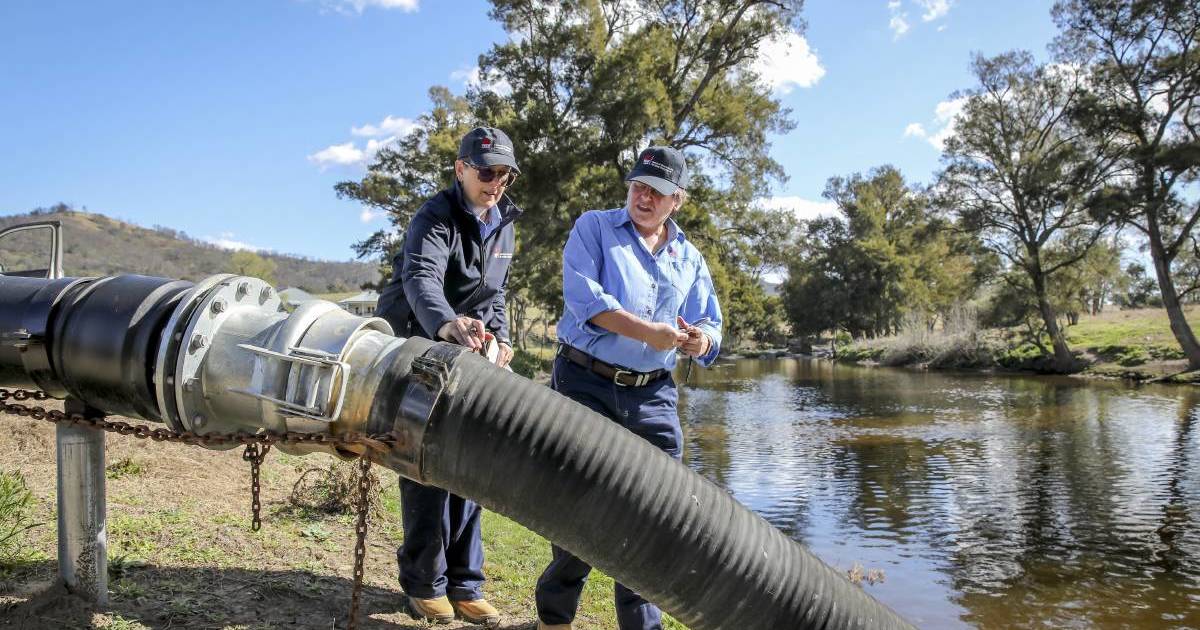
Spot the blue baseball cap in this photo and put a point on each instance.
(488, 146)
(662, 168)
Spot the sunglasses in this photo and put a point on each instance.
(487, 175)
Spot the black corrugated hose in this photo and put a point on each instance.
(625, 507)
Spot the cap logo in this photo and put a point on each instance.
(649, 160)
(485, 143)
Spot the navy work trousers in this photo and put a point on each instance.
(651, 412)
(442, 553)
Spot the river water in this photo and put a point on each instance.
(988, 501)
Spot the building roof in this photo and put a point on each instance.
(295, 295)
(368, 296)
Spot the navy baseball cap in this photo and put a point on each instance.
(662, 168)
(488, 146)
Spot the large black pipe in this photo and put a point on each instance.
(516, 447)
(104, 336)
(620, 504)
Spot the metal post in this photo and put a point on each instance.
(82, 529)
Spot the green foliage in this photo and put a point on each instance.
(529, 364)
(126, 466)
(1090, 283)
(95, 245)
(1138, 108)
(1127, 356)
(888, 254)
(588, 84)
(1022, 356)
(16, 518)
(247, 263)
(1018, 175)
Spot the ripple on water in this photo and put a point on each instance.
(990, 501)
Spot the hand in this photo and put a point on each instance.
(664, 337)
(464, 331)
(506, 354)
(697, 343)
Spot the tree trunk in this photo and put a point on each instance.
(1166, 285)
(1063, 360)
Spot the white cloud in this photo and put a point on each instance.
(945, 117)
(931, 10)
(804, 209)
(934, 9)
(389, 126)
(388, 131)
(358, 6)
(899, 19)
(473, 77)
(226, 241)
(337, 155)
(787, 61)
(368, 215)
(946, 111)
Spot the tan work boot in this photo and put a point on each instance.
(542, 625)
(477, 611)
(437, 610)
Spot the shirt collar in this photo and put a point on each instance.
(505, 206)
(673, 231)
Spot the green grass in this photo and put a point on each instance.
(1121, 343)
(1144, 328)
(124, 467)
(16, 519)
(515, 559)
(165, 537)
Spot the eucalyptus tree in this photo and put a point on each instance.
(581, 86)
(1018, 174)
(884, 255)
(1144, 85)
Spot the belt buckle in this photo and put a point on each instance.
(617, 378)
(639, 379)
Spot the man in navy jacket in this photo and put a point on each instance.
(448, 283)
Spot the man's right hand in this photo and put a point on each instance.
(464, 331)
(665, 337)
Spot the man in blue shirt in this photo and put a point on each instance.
(635, 291)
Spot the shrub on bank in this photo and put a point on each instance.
(16, 518)
(953, 342)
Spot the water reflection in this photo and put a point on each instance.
(989, 501)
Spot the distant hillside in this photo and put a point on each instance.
(95, 245)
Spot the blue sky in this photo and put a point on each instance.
(232, 119)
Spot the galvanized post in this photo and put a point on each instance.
(82, 507)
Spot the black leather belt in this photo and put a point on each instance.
(609, 372)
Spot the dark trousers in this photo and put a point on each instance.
(651, 413)
(442, 553)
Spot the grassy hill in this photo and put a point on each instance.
(96, 245)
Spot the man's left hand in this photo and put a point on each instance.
(698, 343)
(505, 355)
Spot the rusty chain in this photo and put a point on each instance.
(257, 446)
(255, 454)
(363, 506)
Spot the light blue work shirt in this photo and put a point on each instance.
(486, 227)
(606, 267)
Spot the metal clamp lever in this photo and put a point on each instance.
(310, 391)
